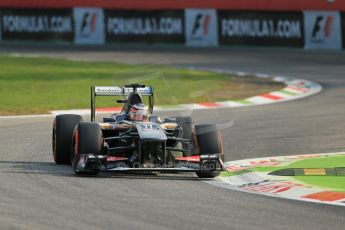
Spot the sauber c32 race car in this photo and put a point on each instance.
(135, 139)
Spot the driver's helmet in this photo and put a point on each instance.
(138, 112)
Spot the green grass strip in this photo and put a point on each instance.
(30, 85)
(244, 102)
(287, 92)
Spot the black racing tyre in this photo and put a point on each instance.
(186, 124)
(87, 138)
(210, 142)
(63, 128)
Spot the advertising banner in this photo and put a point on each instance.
(37, 24)
(89, 26)
(261, 28)
(201, 27)
(322, 30)
(154, 26)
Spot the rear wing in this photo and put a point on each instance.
(119, 91)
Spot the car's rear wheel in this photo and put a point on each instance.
(87, 139)
(62, 137)
(210, 142)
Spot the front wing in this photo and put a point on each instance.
(197, 163)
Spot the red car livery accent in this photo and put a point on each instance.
(114, 158)
(189, 158)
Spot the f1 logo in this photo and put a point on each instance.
(89, 25)
(322, 30)
(201, 24)
(201, 27)
(88, 22)
(322, 27)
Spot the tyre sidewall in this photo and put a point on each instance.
(87, 139)
(209, 141)
(63, 128)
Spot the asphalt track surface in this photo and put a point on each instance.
(37, 194)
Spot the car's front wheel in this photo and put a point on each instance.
(63, 128)
(186, 123)
(87, 139)
(209, 142)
